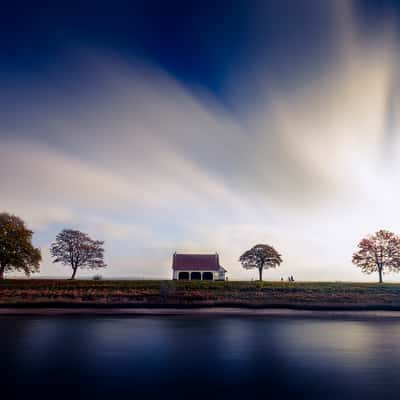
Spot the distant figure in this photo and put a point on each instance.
(291, 278)
(282, 279)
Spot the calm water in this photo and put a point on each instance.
(203, 357)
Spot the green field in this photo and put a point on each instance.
(316, 295)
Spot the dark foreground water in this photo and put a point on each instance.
(203, 357)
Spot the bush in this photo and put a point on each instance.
(167, 289)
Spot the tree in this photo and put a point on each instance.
(78, 250)
(261, 256)
(16, 250)
(378, 253)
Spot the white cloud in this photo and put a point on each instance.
(137, 159)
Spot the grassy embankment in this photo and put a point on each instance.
(312, 295)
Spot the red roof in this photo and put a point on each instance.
(195, 262)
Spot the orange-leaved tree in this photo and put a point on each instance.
(378, 253)
(17, 252)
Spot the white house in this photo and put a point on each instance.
(197, 267)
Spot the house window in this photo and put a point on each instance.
(183, 276)
(208, 276)
(195, 276)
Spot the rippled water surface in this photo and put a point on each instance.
(203, 357)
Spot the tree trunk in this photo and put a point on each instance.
(73, 273)
(2, 269)
(380, 275)
(260, 271)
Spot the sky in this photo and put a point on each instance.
(203, 127)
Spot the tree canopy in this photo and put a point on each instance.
(77, 250)
(17, 252)
(261, 256)
(378, 253)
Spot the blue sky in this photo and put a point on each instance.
(203, 126)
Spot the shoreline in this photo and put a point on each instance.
(195, 306)
(272, 312)
(195, 298)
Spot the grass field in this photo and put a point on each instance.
(185, 294)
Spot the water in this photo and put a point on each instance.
(203, 357)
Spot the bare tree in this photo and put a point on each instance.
(261, 256)
(378, 253)
(78, 250)
(16, 250)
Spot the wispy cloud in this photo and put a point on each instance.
(132, 156)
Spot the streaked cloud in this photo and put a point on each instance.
(133, 156)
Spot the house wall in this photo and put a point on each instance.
(220, 275)
(217, 275)
(175, 274)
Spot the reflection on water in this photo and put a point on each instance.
(204, 357)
